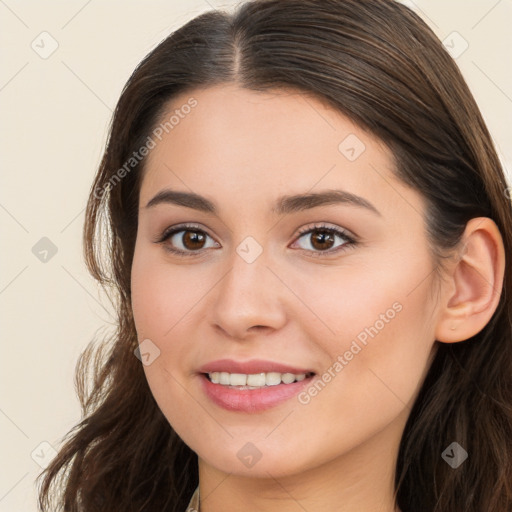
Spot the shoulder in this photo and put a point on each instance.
(193, 506)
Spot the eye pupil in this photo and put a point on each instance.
(322, 237)
(192, 238)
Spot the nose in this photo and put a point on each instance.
(249, 299)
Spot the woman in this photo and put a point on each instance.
(307, 225)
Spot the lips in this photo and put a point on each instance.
(251, 367)
(245, 399)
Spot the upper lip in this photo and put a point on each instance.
(250, 367)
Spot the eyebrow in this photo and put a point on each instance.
(284, 205)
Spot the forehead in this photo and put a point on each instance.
(239, 142)
(225, 117)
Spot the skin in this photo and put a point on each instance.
(296, 303)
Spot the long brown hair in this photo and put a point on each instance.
(378, 63)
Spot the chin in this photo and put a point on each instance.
(250, 461)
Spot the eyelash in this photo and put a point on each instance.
(349, 240)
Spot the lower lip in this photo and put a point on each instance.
(251, 400)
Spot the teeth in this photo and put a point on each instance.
(272, 378)
(256, 380)
(237, 379)
(288, 378)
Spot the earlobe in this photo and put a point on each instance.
(473, 286)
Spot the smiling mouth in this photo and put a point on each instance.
(255, 380)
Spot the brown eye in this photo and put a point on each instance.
(193, 239)
(322, 240)
(186, 240)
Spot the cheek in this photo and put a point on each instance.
(381, 334)
(378, 359)
(161, 298)
(163, 294)
(385, 306)
(165, 301)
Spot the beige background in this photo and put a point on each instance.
(55, 112)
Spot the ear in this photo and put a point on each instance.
(472, 288)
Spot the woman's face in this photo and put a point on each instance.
(274, 271)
